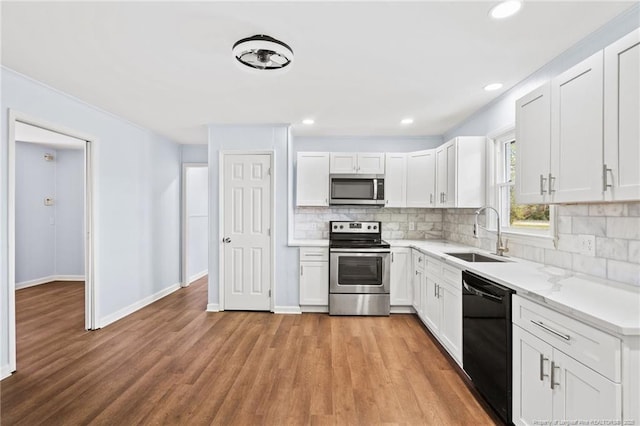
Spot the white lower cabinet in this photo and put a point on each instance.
(417, 280)
(550, 385)
(441, 305)
(401, 283)
(314, 278)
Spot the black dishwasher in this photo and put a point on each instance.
(486, 340)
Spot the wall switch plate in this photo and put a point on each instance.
(587, 244)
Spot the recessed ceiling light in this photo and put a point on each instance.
(505, 9)
(407, 121)
(493, 86)
(308, 121)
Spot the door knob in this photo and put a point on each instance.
(226, 240)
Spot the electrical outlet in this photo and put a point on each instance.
(412, 226)
(587, 244)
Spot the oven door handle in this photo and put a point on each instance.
(359, 250)
(481, 293)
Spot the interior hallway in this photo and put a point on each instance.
(174, 363)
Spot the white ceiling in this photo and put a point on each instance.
(360, 67)
(27, 133)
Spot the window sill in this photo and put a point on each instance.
(536, 240)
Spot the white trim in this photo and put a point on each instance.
(197, 276)
(5, 371)
(322, 309)
(213, 307)
(290, 208)
(287, 310)
(128, 310)
(402, 310)
(90, 220)
(272, 174)
(184, 228)
(49, 279)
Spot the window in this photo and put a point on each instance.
(524, 219)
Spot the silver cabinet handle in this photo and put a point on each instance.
(301, 270)
(313, 254)
(392, 257)
(605, 185)
(542, 360)
(226, 240)
(435, 290)
(553, 380)
(416, 272)
(431, 198)
(438, 285)
(542, 184)
(551, 181)
(551, 330)
(420, 259)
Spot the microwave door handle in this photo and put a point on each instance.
(375, 188)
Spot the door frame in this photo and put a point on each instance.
(185, 225)
(221, 157)
(91, 287)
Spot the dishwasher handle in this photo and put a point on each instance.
(480, 293)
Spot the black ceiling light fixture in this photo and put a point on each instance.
(262, 52)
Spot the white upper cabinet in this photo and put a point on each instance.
(395, 180)
(312, 179)
(621, 115)
(533, 136)
(577, 132)
(421, 179)
(460, 172)
(370, 163)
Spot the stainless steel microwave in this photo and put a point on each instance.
(353, 189)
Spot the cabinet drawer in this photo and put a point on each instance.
(314, 254)
(452, 276)
(434, 267)
(592, 347)
(419, 259)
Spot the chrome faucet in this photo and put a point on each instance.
(500, 248)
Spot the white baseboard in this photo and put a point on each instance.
(50, 278)
(197, 276)
(402, 310)
(213, 307)
(321, 309)
(5, 371)
(111, 318)
(287, 310)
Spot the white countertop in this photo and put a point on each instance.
(610, 306)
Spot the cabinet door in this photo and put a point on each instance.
(450, 187)
(581, 393)
(401, 292)
(395, 180)
(418, 276)
(451, 319)
(441, 175)
(577, 132)
(344, 162)
(532, 398)
(431, 305)
(312, 179)
(314, 283)
(371, 163)
(533, 145)
(421, 179)
(621, 112)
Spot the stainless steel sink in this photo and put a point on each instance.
(475, 257)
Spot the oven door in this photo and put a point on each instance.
(359, 271)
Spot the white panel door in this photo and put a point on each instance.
(577, 132)
(580, 393)
(533, 145)
(343, 162)
(371, 163)
(621, 115)
(246, 237)
(395, 180)
(421, 177)
(312, 179)
(401, 292)
(532, 398)
(451, 319)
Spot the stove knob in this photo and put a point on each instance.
(341, 226)
(375, 226)
(369, 227)
(335, 226)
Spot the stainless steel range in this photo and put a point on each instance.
(359, 269)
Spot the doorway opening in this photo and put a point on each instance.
(50, 220)
(195, 222)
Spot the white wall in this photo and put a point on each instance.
(259, 137)
(197, 216)
(194, 153)
(137, 200)
(49, 239)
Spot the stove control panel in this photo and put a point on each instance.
(355, 227)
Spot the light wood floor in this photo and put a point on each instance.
(173, 363)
